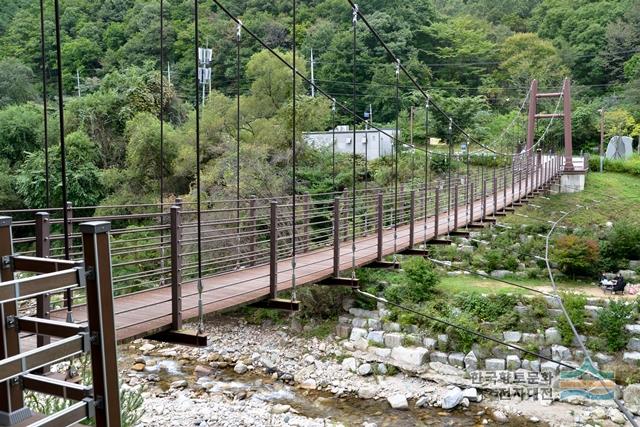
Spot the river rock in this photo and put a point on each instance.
(414, 357)
(376, 337)
(146, 348)
(494, 364)
(422, 402)
(391, 327)
(365, 369)
(444, 369)
(398, 401)
(471, 361)
(457, 359)
(240, 368)
(549, 366)
(308, 384)
(500, 417)
(429, 343)
(268, 363)
(357, 333)
(632, 357)
(367, 392)
(471, 394)
(513, 362)
(633, 329)
(179, 384)
(512, 336)
(350, 364)
(381, 352)
(138, 367)
(359, 322)
(452, 398)
(393, 339)
(631, 396)
(443, 342)
(603, 358)
(500, 274)
(439, 356)
(202, 371)
(560, 352)
(529, 338)
(634, 344)
(552, 336)
(343, 330)
(280, 408)
(382, 369)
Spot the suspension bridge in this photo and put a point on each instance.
(178, 260)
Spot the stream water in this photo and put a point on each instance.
(349, 411)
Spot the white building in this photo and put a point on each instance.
(372, 142)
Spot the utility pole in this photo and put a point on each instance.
(78, 81)
(313, 80)
(601, 139)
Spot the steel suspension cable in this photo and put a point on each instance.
(63, 154)
(294, 153)
(198, 189)
(238, 39)
(396, 147)
(426, 166)
(45, 115)
(353, 160)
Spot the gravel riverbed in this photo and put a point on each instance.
(265, 375)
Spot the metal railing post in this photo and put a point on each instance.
(484, 198)
(495, 194)
(472, 198)
(97, 261)
(412, 217)
(176, 267)
(336, 237)
(306, 211)
(380, 225)
(455, 207)
(43, 250)
(437, 213)
(253, 228)
(69, 292)
(273, 250)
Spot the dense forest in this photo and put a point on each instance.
(475, 58)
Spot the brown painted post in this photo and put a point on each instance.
(176, 268)
(43, 247)
(12, 410)
(306, 211)
(531, 122)
(484, 198)
(253, 228)
(412, 217)
(97, 261)
(69, 293)
(437, 213)
(495, 194)
(455, 210)
(472, 196)
(273, 250)
(566, 110)
(380, 207)
(336, 237)
(345, 215)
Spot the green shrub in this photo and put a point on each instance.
(622, 243)
(486, 308)
(421, 280)
(574, 304)
(611, 322)
(576, 255)
(629, 166)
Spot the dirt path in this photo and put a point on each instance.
(592, 291)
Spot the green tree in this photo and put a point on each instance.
(16, 83)
(84, 184)
(575, 255)
(21, 131)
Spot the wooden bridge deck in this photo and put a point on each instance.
(147, 312)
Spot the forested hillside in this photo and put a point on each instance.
(476, 58)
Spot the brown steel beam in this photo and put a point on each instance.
(277, 304)
(41, 265)
(382, 264)
(180, 337)
(55, 387)
(414, 252)
(69, 416)
(49, 327)
(339, 281)
(549, 95)
(51, 353)
(459, 233)
(439, 242)
(43, 283)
